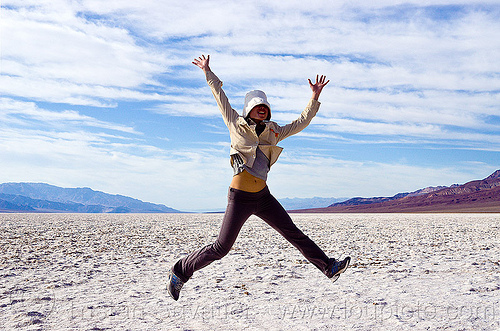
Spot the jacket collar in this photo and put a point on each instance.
(251, 122)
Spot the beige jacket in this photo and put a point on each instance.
(244, 140)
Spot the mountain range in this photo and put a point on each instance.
(303, 203)
(39, 197)
(475, 196)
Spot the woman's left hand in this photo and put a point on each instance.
(318, 86)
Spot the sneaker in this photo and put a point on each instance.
(174, 285)
(335, 268)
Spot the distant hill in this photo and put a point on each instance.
(367, 201)
(40, 197)
(475, 196)
(302, 203)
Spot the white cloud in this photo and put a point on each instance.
(101, 54)
(24, 113)
(57, 56)
(80, 54)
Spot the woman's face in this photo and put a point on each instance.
(259, 113)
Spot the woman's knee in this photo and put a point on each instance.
(220, 250)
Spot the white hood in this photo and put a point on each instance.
(255, 98)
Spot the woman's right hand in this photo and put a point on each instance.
(202, 62)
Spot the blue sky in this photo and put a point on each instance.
(103, 94)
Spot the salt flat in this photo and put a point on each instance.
(99, 272)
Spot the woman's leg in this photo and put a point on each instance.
(275, 215)
(238, 210)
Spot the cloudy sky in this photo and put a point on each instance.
(103, 94)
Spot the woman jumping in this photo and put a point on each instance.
(254, 150)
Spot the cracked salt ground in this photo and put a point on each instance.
(90, 272)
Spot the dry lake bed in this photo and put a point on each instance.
(108, 272)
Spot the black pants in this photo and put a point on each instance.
(241, 205)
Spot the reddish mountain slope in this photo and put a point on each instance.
(475, 196)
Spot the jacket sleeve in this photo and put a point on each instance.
(300, 123)
(228, 114)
